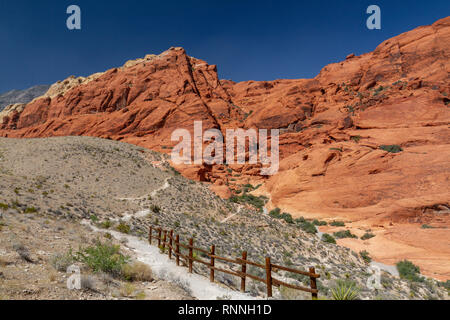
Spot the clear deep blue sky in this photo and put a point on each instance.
(248, 40)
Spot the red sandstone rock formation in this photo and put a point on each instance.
(332, 125)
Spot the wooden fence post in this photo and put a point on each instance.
(177, 249)
(170, 243)
(150, 235)
(159, 238)
(269, 277)
(211, 273)
(244, 270)
(313, 282)
(164, 241)
(191, 254)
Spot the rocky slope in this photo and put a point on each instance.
(337, 128)
(46, 192)
(22, 96)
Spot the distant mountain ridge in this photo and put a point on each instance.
(22, 96)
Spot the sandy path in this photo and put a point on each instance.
(153, 194)
(166, 269)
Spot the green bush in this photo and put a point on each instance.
(344, 234)
(391, 148)
(287, 217)
(328, 238)
(409, 271)
(300, 220)
(106, 224)
(337, 224)
(103, 257)
(4, 206)
(123, 227)
(366, 257)
(257, 202)
(308, 227)
(248, 187)
(30, 210)
(275, 213)
(345, 290)
(446, 284)
(319, 223)
(367, 236)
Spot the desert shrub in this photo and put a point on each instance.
(61, 261)
(344, 234)
(328, 238)
(248, 187)
(345, 290)
(367, 236)
(4, 206)
(275, 213)
(426, 226)
(137, 271)
(287, 217)
(155, 208)
(391, 148)
(308, 227)
(23, 251)
(103, 257)
(123, 228)
(30, 210)
(174, 171)
(409, 271)
(337, 224)
(378, 90)
(319, 223)
(300, 220)
(127, 290)
(257, 202)
(106, 224)
(366, 257)
(445, 285)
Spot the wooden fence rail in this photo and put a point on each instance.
(167, 239)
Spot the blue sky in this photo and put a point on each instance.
(248, 40)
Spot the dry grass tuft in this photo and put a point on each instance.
(137, 271)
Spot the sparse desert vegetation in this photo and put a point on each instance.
(128, 199)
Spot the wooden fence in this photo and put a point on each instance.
(167, 239)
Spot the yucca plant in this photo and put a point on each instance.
(345, 290)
